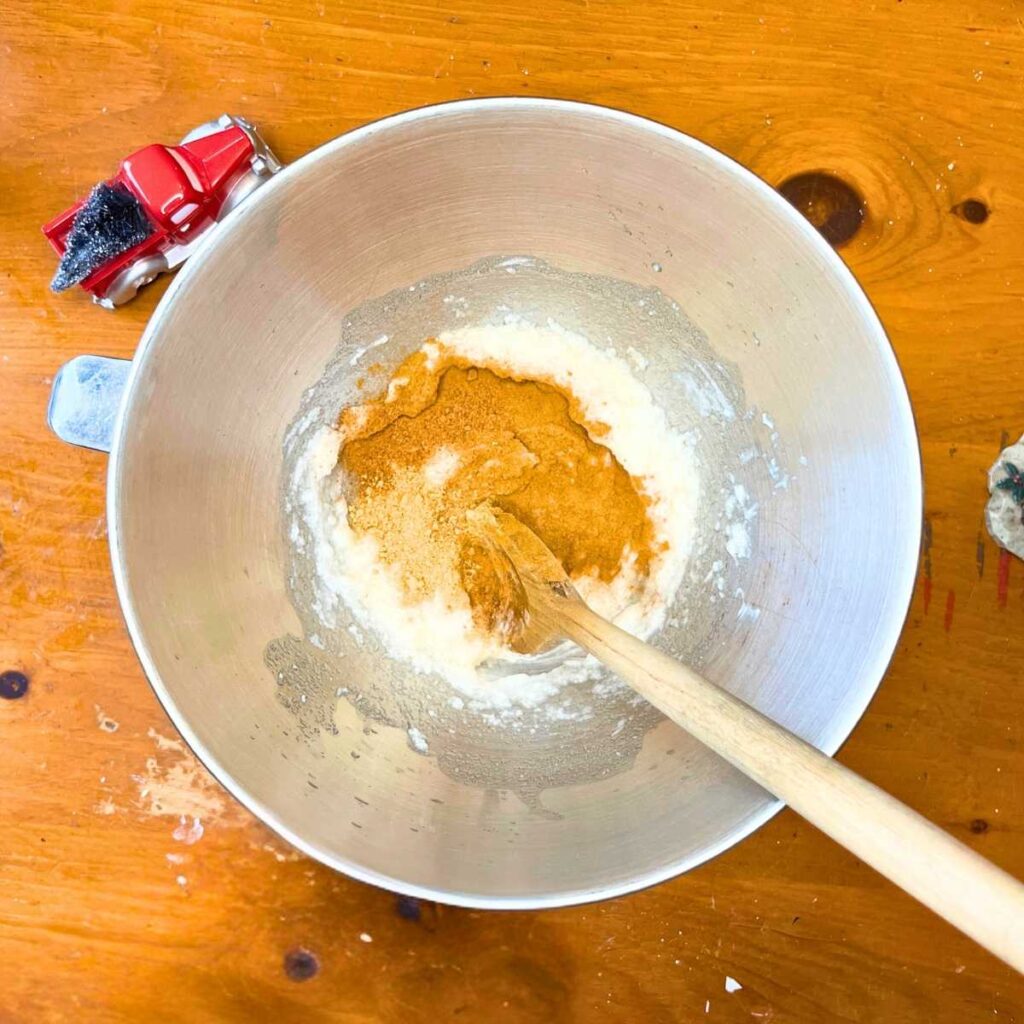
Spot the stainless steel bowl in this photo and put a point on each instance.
(250, 323)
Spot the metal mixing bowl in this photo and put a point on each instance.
(195, 521)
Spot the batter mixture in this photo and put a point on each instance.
(535, 421)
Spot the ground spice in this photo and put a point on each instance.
(444, 437)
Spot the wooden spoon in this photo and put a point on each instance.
(980, 899)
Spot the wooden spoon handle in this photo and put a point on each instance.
(980, 899)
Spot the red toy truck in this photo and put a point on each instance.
(153, 213)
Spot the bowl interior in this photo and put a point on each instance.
(755, 338)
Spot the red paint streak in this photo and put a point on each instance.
(927, 593)
(947, 621)
(1003, 579)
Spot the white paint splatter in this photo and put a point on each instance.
(186, 833)
(365, 937)
(163, 743)
(104, 721)
(182, 790)
(732, 985)
(278, 855)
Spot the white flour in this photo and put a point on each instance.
(436, 638)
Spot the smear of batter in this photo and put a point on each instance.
(536, 421)
(445, 437)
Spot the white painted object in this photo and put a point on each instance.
(1004, 516)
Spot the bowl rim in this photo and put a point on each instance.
(839, 729)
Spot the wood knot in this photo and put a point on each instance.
(13, 685)
(831, 205)
(978, 826)
(974, 211)
(300, 964)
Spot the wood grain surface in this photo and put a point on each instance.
(901, 123)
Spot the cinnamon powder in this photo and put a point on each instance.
(446, 436)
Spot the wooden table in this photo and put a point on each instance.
(111, 911)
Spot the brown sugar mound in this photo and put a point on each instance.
(445, 437)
